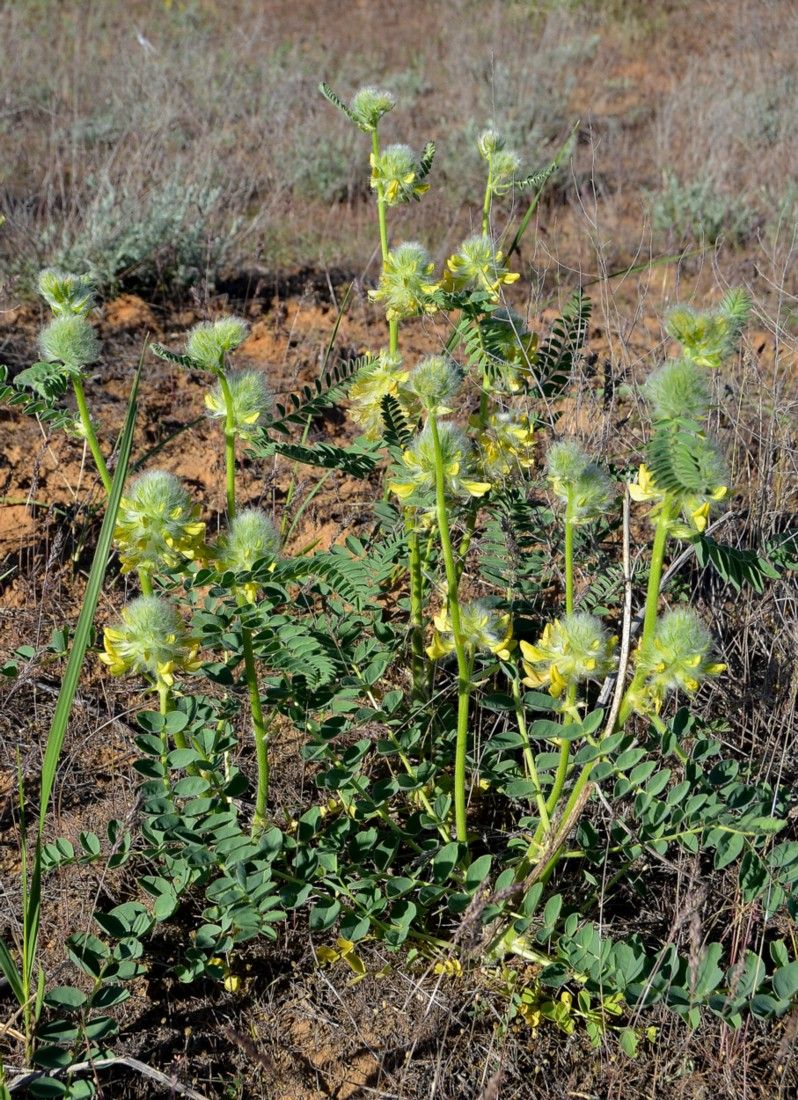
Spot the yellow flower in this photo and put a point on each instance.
(158, 526)
(380, 378)
(506, 444)
(151, 640)
(416, 476)
(644, 488)
(482, 627)
(569, 651)
(477, 265)
(678, 658)
(249, 397)
(406, 285)
(395, 169)
(252, 538)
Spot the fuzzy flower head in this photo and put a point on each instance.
(678, 658)
(416, 477)
(70, 339)
(477, 265)
(506, 444)
(432, 387)
(252, 537)
(383, 377)
(406, 284)
(570, 650)
(707, 338)
(678, 391)
(584, 486)
(210, 341)
(396, 171)
(483, 628)
(368, 105)
(66, 294)
(250, 399)
(158, 526)
(490, 142)
(151, 640)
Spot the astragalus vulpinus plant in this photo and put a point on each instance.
(455, 739)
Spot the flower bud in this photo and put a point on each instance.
(70, 339)
(151, 640)
(252, 537)
(250, 399)
(210, 341)
(431, 387)
(66, 294)
(368, 105)
(707, 338)
(585, 487)
(489, 143)
(677, 391)
(158, 525)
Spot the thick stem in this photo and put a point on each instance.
(145, 580)
(487, 200)
(529, 757)
(91, 435)
(375, 148)
(229, 446)
(416, 608)
(463, 667)
(260, 733)
(570, 698)
(652, 599)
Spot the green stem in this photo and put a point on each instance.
(229, 445)
(375, 148)
(463, 664)
(260, 733)
(529, 757)
(570, 698)
(145, 580)
(487, 200)
(91, 435)
(416, 608)
(652, 599)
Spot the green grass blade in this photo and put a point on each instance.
(69, 685)
(11, 974)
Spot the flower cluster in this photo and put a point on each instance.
(66, 294)
(432, 387)
(506, 444)
(252, 537)
(249, 397)
(678, 391)
(396, 172)
(416, 477)
(151, 640)
(570, 650)
(478, 265)
(503, 164)
(482, 628)
(585, 487)
(210, 341)
(382, 377)
(157, 525)
(368, 105)
(406, 285)
(678, 658)
(70, 339)
(707, 338)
